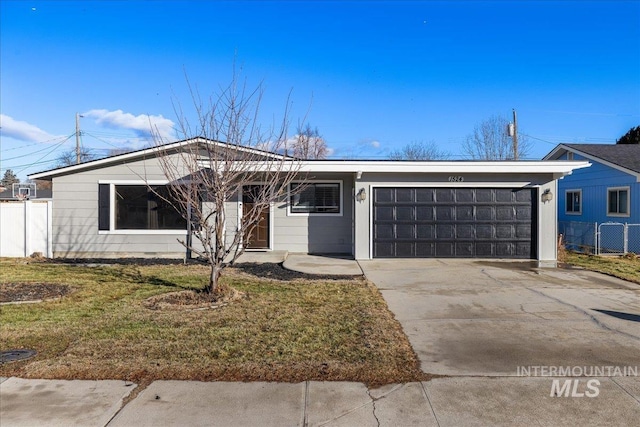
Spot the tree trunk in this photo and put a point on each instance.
(212, 287)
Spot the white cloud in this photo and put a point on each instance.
(141, 124)
(23, 131)
(375, 144)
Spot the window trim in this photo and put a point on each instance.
(112, 209)
(313, 182)
(618, 189)
(566, 195)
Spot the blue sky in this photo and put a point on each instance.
(372, 75)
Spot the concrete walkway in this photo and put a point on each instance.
(462, 401)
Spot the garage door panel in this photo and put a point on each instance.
(425, 231)
(384, 249)
(484, 213)
(484, 195)
(504, 232)
(405, 250)
(425, 250)
(424, 213)
(464, 195)
(523, 231)
(523, 213)
(464, 231)
(464, 249)
(444, 195)
(485, 250)
(444, 231)
(504, 195)
(504, 250)
(383, 213)
(464, 213)
(444, 213)
(454, 222)
(405, 213)
(405, 195)
(484, 231)
(445, 250)
(383, 231)
(504, 213)
(384, 195)
(424, 195)
(405, 231)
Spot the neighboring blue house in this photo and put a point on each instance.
(606, 192)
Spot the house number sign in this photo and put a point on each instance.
(456, 178)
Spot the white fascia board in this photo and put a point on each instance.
(534, 167)
(147, 152)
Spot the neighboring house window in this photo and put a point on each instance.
(137, 207)
(316, 198)
(618, 201)
(574, 202)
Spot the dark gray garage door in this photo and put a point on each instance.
(454, 222)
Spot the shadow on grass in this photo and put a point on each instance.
(278, 272)
(620, 315)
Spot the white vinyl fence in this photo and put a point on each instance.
(25, 228)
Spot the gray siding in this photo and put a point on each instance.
(75, 217)
(317, 233)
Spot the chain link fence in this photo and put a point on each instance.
(607, 238)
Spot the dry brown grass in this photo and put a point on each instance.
(278, 330)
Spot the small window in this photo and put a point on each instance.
(618, 201)
(316, 198)
(574, 202)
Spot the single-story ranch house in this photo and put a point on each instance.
(363, 208)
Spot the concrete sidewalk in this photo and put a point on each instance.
(461, 401)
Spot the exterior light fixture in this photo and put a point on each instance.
(547, 196)
(361, 195)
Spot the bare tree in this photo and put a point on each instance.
(490, 140)
(308, 144)
(224, 158)
(419, 150)
(68, 158)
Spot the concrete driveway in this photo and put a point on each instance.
(468, 317)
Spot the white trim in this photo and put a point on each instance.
(143, 154)
(322, 214)
(112, 210)
(619, 215)
(467, 184)
(133, 181)
(573, 190)
(148, 232)
(560, 168)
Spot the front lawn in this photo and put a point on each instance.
(283, 330)
(623, 267)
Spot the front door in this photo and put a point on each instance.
(257, 236)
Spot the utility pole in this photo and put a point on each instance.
(77, 138)
(515, 135)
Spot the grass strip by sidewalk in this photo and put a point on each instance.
(622, 267)
(290, 331)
